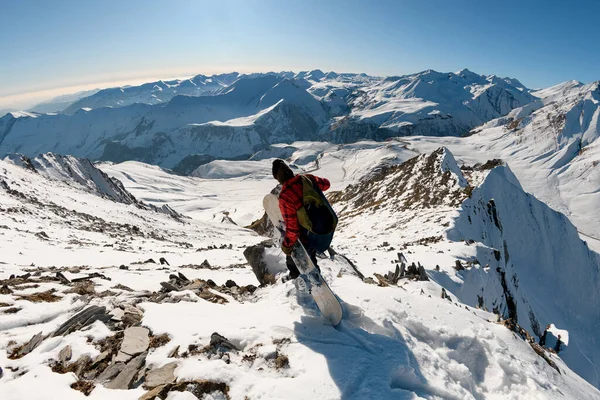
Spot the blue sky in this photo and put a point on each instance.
(50, 47)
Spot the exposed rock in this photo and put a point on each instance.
(282, 361)
(125, 378)
(255, 257)
(169, 287)
(205, 264)
(111, 372)
(133, 316)
(123, 287)
(262, 226)
(65, 355)
(230, 283)
(83, 318)
(200, 387)
(82, 288)
(63, 278)
(86, 387)
(159, 391)
(136, 341)
(161, 376)
(91, 276)
(5, 290)
(164, 261)
(174, 353)
(28, 347)
(221, 343)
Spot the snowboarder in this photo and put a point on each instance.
(307, 214)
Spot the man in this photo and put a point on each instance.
(307, 214)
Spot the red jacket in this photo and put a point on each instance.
(290, 201)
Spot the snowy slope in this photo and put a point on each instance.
(551, 145)
(395, 342)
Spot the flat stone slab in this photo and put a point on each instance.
(161, 376)
(135, 341)
(65, 355)
(125, 378)
(112, 371)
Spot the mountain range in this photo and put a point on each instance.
(489, 188)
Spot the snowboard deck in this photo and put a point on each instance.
(328, 304)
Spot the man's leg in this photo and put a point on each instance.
(312, 253)
(294, 273)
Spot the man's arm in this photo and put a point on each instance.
(288, 211)
(322, 182)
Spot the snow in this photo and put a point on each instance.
(394, 342)
(525, 257)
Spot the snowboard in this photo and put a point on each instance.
(328, 304)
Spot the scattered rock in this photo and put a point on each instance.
(5, 290)
(42, 235)
(133, 316)
(63, 278)
(111, 372)
(255, 255)
(169, 287)
(164, 261)
(91, 276)
(445, 295)
(212, 297)
(85, 387)
(124, 267)
(136, 341)
(159, 391)
(28, 347)
(123, 287)
(230, 283)
(458, 266)
(282, 361)
(220, 343)
(82, 319)
(205, 264)
(12, 310)
(125, 378)
(82, 288)
(160, 376)
(174, 353)
(200, 388)
(65, 355)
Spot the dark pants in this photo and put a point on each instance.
(312, 243)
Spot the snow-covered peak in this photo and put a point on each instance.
(77, 171)
(560, 91)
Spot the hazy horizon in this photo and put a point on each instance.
(65, 46)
